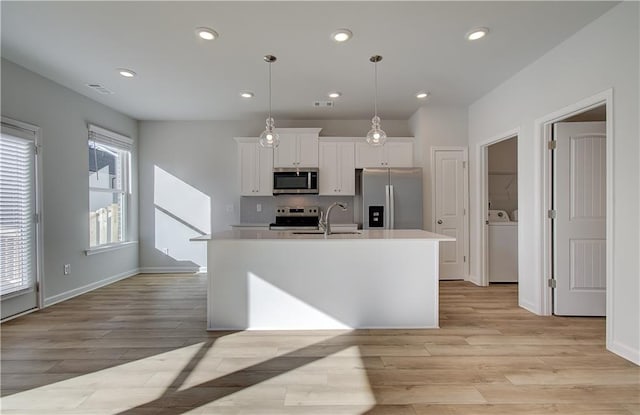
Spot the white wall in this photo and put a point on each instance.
(435, 126)
(189, 182)
(602, 55)
(63, 116)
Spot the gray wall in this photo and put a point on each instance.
(435, 126)
(62, 116)
(186, 166)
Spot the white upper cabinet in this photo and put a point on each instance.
(397, 152)
(256, 168)
(298, 147)
(337, 168)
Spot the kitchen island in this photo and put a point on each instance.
(283, 280)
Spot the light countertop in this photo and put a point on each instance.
(384, 234)
(250, 225)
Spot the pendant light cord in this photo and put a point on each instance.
(375, 96)
(269, 91)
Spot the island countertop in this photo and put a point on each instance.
(370, 234)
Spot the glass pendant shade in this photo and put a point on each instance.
(269, 138)
(376, 136)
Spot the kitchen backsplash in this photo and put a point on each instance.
(249, 213)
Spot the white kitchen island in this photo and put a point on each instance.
(280, 280)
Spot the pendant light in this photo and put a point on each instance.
(376, 136)
(269, 138)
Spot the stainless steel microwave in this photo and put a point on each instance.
(295, 181)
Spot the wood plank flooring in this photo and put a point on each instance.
(139, 347)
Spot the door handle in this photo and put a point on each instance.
(392, 208)
(387, 207)
(439, 221)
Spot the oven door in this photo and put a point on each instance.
(292, 181)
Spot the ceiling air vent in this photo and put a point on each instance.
(323, 104)
(100, 89)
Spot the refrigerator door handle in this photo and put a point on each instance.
(387, 205)
(392, 213)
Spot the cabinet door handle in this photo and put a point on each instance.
(439, 221)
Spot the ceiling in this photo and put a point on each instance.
(181, 77)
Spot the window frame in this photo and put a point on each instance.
(124, 146)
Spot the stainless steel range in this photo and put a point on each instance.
(296, 218)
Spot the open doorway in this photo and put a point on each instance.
(578, 212)
(499, 209)
(502, 211)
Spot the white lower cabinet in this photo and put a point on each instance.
(337, 168)
(397, 152)
(256, 168)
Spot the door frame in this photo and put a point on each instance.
(483, 177)
(465, 190)
(39, 283)
(543, 133)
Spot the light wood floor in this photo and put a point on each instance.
(139, 347)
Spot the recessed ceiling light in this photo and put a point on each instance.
(127, 73)
(422, 95)
(341, 35)
(477, 33)
(246, 94)
(335, 94)
(206, 33)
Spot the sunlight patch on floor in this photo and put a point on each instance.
(231, 372)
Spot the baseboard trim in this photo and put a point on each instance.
(172, 270)
(529, 307)
(89, 287)
(624, 351)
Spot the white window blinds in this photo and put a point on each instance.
(17, 209)
(110, 138)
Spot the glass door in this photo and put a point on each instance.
(18, 220)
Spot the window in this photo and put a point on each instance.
(109, 187)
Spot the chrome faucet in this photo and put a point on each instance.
(325, 222)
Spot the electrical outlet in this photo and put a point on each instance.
(66, 269)
(258, 207)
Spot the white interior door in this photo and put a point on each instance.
(450, 210)
(18, 231)
(579, 227)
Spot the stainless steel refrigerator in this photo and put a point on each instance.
(391, 198)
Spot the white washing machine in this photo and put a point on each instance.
(503, 247)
